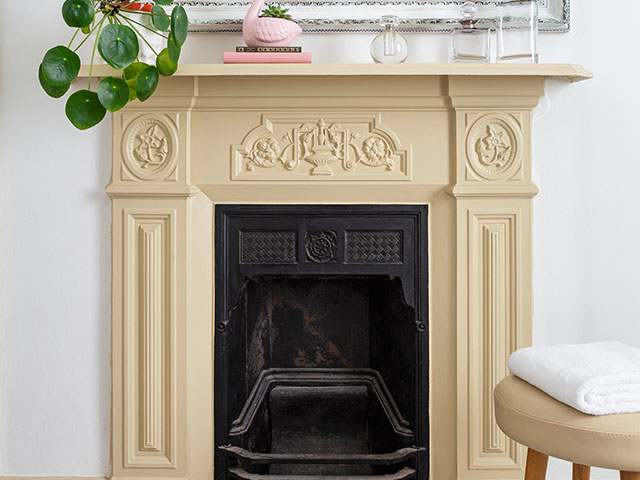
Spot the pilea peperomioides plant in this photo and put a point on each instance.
(276, 11)
(117, 41)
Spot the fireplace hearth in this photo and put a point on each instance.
(321, 351)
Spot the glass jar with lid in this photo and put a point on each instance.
(389, 46)
(469, 42)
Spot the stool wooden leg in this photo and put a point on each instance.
(629, 475)
(581, 472)
(537, 466)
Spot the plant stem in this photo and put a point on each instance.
(89, 34)
(138, 12)
(74, 37)
(93, 52)
(141, 36)
(144, 26)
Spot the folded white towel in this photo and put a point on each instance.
(595, 378)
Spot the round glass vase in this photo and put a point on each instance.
(389, 46)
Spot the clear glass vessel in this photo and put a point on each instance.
(518, 32)
(468, 42)
(389, 46)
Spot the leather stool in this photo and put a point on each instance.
(551, 428)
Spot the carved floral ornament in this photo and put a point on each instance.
(322, 246)
(150, 147)
(323, 148)
(493, 147)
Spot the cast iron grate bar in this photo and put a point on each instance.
(404, 474)
(305, 458)
(320, 376)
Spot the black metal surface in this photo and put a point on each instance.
(322, 246)
(319, 378)
(382, 246)
(321, 349)
(392, 458)
(405, 474)
(265, 247)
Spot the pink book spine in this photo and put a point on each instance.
(266, 57)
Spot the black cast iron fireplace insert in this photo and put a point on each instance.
(321, 346)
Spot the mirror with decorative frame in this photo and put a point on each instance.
(363, 15)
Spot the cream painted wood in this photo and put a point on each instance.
(368, 150)
(457, 137)
(493, 139)
(53, 478)
(574, 73)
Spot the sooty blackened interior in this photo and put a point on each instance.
(308, 322)
(321, 349)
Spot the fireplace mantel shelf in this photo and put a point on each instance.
(573, 73)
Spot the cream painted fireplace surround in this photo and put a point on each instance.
(456, 137)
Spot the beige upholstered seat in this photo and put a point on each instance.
(533, 418)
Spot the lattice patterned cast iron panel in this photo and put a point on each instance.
(381, 246)
(268, 246)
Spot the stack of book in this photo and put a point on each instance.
(267, 55)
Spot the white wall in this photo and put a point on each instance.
(54, 223)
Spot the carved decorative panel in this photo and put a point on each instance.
(374, 246)
(493, 319)
(494, 147)
(322, 246)
(149, 414)
(265, 247)
(331, 147)
(150, 148)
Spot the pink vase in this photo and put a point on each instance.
(260, 31)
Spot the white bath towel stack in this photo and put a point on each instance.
(595, 378)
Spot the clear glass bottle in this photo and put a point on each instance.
(518, 32)
(389, 46)
(468, 42)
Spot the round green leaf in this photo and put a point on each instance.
(118, 45)
(165, 66)
(132, 71)
(174, 48)
(160, 18)
(130, 75)
(147, 82)
(55, 91)
(78, 13)
(113, 93)
(179, 24)
(60, 66)
(132, 92)
(84, 110)
(164, 2)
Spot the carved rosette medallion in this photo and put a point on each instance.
(322, 246)
(339, 147)
(150, 147)
(493, 147)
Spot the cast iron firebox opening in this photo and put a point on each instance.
(326, 344)
(321, 343)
